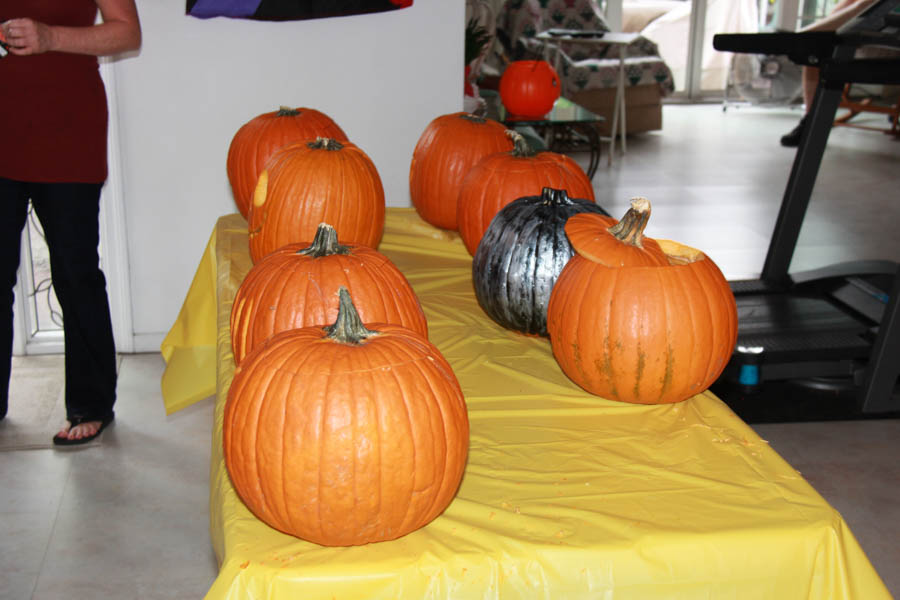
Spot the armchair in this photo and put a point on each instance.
(588, 73)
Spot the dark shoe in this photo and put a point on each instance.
(59, 440)
(792, 140)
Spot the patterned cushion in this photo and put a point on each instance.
(583, 66)
(604, 72)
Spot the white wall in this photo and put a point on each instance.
(382, 77)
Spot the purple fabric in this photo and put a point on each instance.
(205, 9)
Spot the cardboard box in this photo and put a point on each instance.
(643, 107)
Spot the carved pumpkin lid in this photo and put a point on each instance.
(620, 245)
(623, 244)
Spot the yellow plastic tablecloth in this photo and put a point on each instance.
(565, 495)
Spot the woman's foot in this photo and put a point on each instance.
(792, 139)
(81, 431)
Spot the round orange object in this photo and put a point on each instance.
(322, 181)
(500, 178)
(528, 88)
(297, 286)
(450, 146)
(649, 325)
(346, 435)
(260, 137)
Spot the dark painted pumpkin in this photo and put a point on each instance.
(521, 255)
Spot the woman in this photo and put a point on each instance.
(53, 119)
(842, 12)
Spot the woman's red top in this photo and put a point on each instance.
(53, 114)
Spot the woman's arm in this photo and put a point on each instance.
(120, 31)
(840, 14)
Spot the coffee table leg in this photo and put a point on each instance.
(595, 146)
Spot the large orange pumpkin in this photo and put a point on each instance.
(636, 319)
(450, 146)
(347, 434)
(296, 286)
(259, 138)
(321, 181)
(498, 179)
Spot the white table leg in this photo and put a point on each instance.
(621, 94)
(618, 120)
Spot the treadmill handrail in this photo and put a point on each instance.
(808, 48)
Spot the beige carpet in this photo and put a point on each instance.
(36, 404)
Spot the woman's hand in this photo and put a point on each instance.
(119, 31)
(27, 36)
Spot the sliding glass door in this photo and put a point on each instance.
(683, 31)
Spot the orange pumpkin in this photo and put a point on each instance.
(259, 138)
(450, 146)
(296, 286)
(498, 179)
(528, 88)
(347, 434)
(321, 181)
(639, 320)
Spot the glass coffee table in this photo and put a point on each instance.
(568, 127)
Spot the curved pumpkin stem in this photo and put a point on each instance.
(287, 111)
(325, 243)
(521, 147)
(322, 143)
(554, 197)
(348, 328)
(473, 118)
(630, 230)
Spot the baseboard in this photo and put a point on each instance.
(147, 342)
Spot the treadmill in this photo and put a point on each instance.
(821, 344)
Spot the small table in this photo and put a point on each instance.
(620, 40)
(568, 127)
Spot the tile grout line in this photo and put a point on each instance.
(59, 505)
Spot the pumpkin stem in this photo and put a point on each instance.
(473, 118)
(630, 230)
(325, 143)
(287, 111)
(554, 197)
(348, 328)
(325, 243)
(521, 147)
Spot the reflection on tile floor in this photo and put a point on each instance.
(129, 518)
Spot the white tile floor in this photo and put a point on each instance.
(129, 519)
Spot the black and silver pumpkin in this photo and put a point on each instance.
(521, 255)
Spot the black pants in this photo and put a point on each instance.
(69, 214)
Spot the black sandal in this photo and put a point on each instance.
(60, 440)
